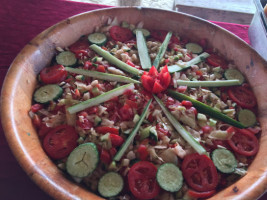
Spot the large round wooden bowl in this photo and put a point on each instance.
(21, 79)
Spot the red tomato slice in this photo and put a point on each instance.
(244, 142)
(101, 68)
(53, 74)
(142, 180)
(106, 129)
(36, 107)
(216, 61)
(116, 140)
(121, 34)
(196, 194)
(82, 45)
(243, 96)
(200, 172)
(60, 141)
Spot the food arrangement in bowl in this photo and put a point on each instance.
(139, 113)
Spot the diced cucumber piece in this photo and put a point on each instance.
(97, 121)
(234, 74)
(217, 83)
(113, 60)
(136, 118)
(194, 48)
(66, 58)
(145, 133)
(201, 117)
(153, 133)
(103, 76)
(162, 50)
(224, 160)
(125, 24)
(101, 98)
(203, 108)
(169, 177)
(130, 138)
(110, 184)
(47, 93)
(247, 117)
(212, 122)
(82, 160)
(142, 51)
(99, 39)
(180, 129)
(95, 91)
(145, 32)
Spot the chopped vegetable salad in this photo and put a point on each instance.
(134, 113)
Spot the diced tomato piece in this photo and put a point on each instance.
(157, 88)
(112, 152)
(128, 62)
(106, 129)
(126, 112)
(105, 157)
(182, 89)
(147, 82)
(36, 120)
(150, 118)
(153, 72)
(92, 110)
(36, 107)
(142, 152)
(101, 68)
(132, 104)
(193, 110)
(186, 104)
(116, 140)
(206, 129)
(87, 65)
(199, 73)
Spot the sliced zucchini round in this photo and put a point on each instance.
(47, 93)
(247, 117)
(234, 74)
(145, 32)
(224, 160)
(99, 39)
(110, 184)
(194, 48)
(169, 177)
(66, 58)
(82, 160)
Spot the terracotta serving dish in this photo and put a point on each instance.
(21, 79)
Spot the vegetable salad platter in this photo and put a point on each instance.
(137, 113)
(106, 106)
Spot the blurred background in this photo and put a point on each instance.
(233, 11)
